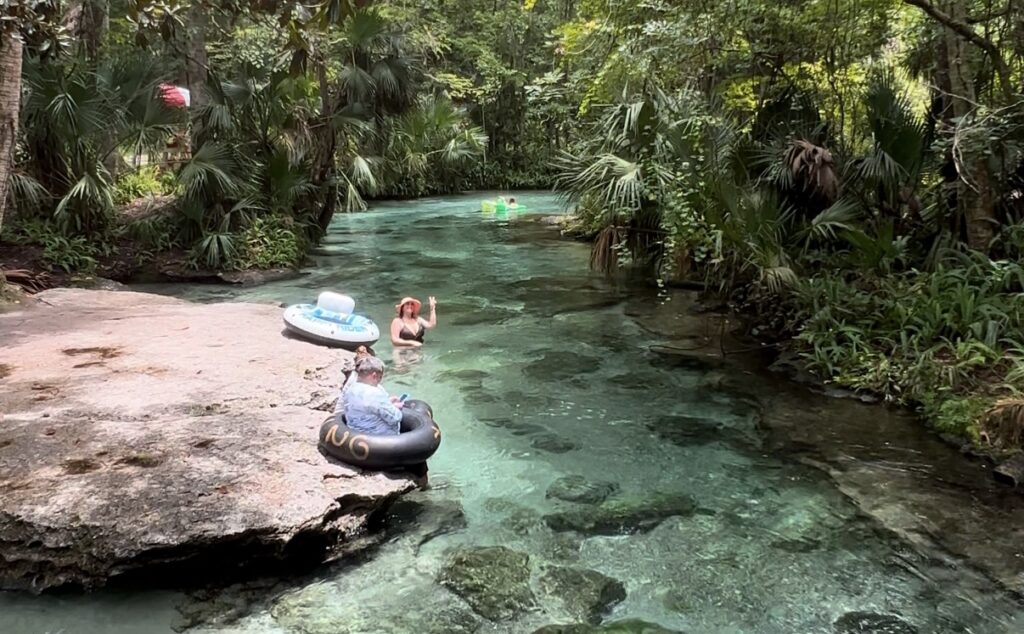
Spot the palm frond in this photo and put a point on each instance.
(357, 83)
(365, 29)
(841, 216)
(212, 171)
(352, 198)
(25, 192)
(91, 192)
(362, 174)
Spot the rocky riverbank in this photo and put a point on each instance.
(896, 470)
(142, 432)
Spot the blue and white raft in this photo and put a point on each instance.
(331, 322)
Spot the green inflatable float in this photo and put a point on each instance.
(500, 205)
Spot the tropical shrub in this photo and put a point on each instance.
(76, 118)
(145, 181)
(947, 340)
(430, 149)
(155, 233)
(270, 242)
(74, 254)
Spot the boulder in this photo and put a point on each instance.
(576, 488)
(519, 519)
(587, 595)
(552, 443)
(1010, 471)
(140, 432)
(622, 516)
(494, 580)
(334, 608)
(424, 518)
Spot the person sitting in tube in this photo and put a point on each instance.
(512, 203)
(349, 374)
(367, 406)
(408, 327)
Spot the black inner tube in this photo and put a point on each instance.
(419, 439)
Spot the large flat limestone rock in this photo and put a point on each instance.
(139, 430)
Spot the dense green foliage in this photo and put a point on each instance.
(296, 111)
(849, 173)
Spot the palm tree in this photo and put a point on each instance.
(10, 100)
(891, 170)
(618, 181)
(358, 62)
(430, 147)
(373, 79)
(75, 118)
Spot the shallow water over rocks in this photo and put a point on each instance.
(590, 483)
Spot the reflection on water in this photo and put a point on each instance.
(597, 467)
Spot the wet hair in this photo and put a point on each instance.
(366, 365)
(511, 200)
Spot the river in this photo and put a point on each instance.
(544, 382)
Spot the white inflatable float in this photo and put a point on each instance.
(331, 322)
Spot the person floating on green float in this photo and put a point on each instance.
(500, 205)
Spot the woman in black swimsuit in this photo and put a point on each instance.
(407, 329)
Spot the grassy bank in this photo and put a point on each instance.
(946, 341)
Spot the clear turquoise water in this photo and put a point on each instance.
(537, 371)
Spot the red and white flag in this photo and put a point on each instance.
(175, 96)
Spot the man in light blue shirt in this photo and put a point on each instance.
(368, 408)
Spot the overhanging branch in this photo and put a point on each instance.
(965, 31)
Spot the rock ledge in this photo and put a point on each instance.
(138, 431)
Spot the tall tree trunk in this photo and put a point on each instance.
(975, 200)
(197, 66)
(92, 27)
(10, 102)
(88, 21)
(323, 157)
(952, 14)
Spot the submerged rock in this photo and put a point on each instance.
(328, 608)
(1011, 471)
(522, 521)
(690, 431)
(552, 443)
(528, 402)
(494, 581)
(625, 626)
(621, 517)
(468, 375)
(514, 427)
(516, 517)
(576, 488)
(561, 548)
(143, 431)
(473, 316)
(587, 595)
(871, 623)
(558, 365)
(425, 518)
